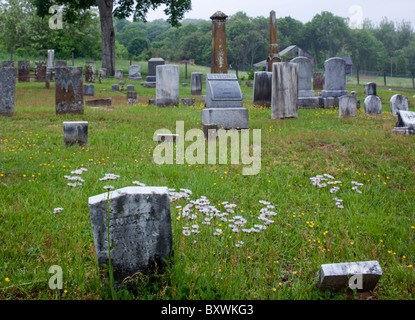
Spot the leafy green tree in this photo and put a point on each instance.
(137, 46)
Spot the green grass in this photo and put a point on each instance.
(277, 263)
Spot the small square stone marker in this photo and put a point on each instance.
(75, 132)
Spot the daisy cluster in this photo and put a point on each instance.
(76, 178)
(325, 180)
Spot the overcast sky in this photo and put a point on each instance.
(303, 10)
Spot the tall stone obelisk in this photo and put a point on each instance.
(273, 55)
(219, 61)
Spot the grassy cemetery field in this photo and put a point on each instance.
(306, 226)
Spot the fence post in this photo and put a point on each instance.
(357, 75)
(384, 78)
(185, 68)
(413, 83)
(73, 59)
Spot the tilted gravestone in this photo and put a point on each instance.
(405, 123)
(398, 102)
(75, 132)
(167, 85)
(90, 70)
(347, 106)
(284, 90)
(196, 83)
(139, 225)
(334, 82)
(40, 71)
(69, 90)
(7, 90)
(262, 89)
(134, 72)
(306, 98)
(224, 103)
(373, 105)
(23, 70)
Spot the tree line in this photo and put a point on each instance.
(376, 47)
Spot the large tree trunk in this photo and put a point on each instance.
(108, 35)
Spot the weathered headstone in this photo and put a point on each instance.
(115, 87)
(318, 81)
(361, 276)
(224, 103)
(23, 70)
(273, 51)
(139, 227)
(219, 60)
(347, 106)
(90, 70)
(262, 89)
(405, 123)
(188, 101)
(75, 132)
(40, 71)
(60, 63)
(102, 72)
(130, 87)
(134, 72)
(132, 97)
(373, 105)
(89, 90)
(370, 89)
(7, 90)
(306, 98)
(7, 64)
(51, 64)
(398, 102)
(69, 90)
(152, 67)
(167, 85)
(119, 74)
(284, 90)
(99, 102)
(196, 83)
(334, 82)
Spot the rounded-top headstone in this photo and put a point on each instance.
(373, 105)
(305, 73)
(398, 102)
(335, 74)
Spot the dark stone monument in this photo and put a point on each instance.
(7, 90)
(69, 90)
(23, 70)
(196, 83)
(40, 71)
(262, 89)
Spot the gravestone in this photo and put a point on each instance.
(115, 87)
(370, 89)
(130, 87)
(139, 227)
(398, 102)
(347, 106)
(99, 102)
(75, 132)
(132, 97)
(89, 90)
(273, 48)
(23, 70)
(196, 83)
(224, 103)
(306, 98)
(219, 60)
(7, 90)
(284, 90)
(102, 74)
(334, 81)
(152, 68)
(188, 101)
(167, 85)
(90, 70)
(405, 123)
(119, 74)
(134, 72)
(373, 105)
(40, 71)
(262, 89)
(69, 90)
(60, 63)
(336, 276)
(7, 64)
(318, 81)
(51, 64)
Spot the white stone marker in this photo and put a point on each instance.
(398, 102)
(347, 106)
(167, 85)
(373, 106)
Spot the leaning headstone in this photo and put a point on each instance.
(361, 276)
(119, 74)
(306, 98)
(23, 70)
(373, 105)
(334, 82)
(89, 90)
(196, 83)
(398, 102)
(405, 123)
(167, 85)
(132, 97)
(370, 89)
(69, 90)
(347, 106)
(318, 81)
(262, 89)
(224, 103)
(284, 90)
(7, 64)
(138, 222)
(7, 90)
(134, 72)
(40, 71)
(75, 132)
(90, 70)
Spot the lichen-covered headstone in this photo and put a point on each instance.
(23, 70)
(140, 230)
(134, 72)
(40, 71)
(7, 90)
(69, 90)
(90, 70)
